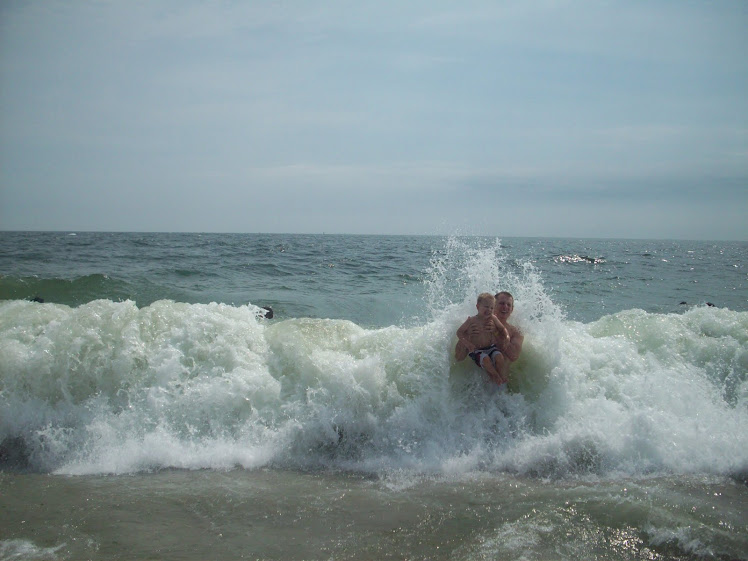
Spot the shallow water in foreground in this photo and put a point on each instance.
(285, 515)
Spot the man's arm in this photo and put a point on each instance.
(514, 347)
(462, 339)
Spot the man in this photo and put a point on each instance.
(503, 308)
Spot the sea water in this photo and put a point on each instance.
(150, 410)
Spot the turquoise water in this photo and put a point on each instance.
(150, 411)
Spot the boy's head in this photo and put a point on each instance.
(485, 303)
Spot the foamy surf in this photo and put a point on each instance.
(110, 388)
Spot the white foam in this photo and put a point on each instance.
(26, 550)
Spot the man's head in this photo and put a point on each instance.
(504, 305)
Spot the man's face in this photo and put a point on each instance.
(504, 306)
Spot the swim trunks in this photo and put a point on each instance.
(479, 354)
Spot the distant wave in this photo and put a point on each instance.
(65, 291)
(579, 259)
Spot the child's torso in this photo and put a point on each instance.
(486, 332)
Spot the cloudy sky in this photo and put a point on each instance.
(536, 118)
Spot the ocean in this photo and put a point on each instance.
(150, 410)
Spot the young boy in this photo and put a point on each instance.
(480, 335)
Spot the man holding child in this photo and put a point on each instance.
(488, 337)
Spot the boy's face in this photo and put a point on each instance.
(485, 308)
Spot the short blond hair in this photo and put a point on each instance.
(486, 297)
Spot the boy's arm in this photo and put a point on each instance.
(503, 332)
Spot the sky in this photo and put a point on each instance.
(602, 119)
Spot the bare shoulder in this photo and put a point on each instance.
(471, 320)
(514, 331)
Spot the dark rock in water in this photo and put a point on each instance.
(38, 299)
(268, 312)
(13, 454)
(741, 477)
(684, 303)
